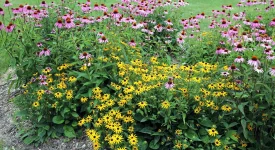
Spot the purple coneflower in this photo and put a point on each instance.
(84, 55)
(239, 48)
(45, 52)
(270, 57)
(169, 84)
(225, 74)
(59, 23)
(239, 59)
(39, 44)
(258, 69)
(2, 11)
(272, 23)
(115, 14)
(254, 61)
(103, 39)
(272, 71)
(10, 27)
(69, 23)
(7, 3)
(132, 42)
(43, 4)
(255, 24)
(233, 68)
(1, 25)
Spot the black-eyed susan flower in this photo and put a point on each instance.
(132, 139)
(212, 132)
(58, 94)
(217, 142)
(165, 104)
(35, 104)
(142, 104)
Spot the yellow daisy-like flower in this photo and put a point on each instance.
(83, 99)
(142, 104)
(96, 145)
(178, 132)
(226, 108)
(35, 104)
(178, 144)
(58, 95)
(131, 129)
(212, 132)
(97, 90)
(165, 104)
(217, 142)
(133, 140)
(72, 79)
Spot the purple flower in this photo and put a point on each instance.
(272, 71)
(254, 61)
(84, 55)
(45, 52)
(239, 59)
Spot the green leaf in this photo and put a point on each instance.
(205, 122)
(143, 145)
(191, 134)
(147, 130)
(231, 134)
(69, 131)
(241, 107)
(154, 145)
(58, 120)
(74, 114)
(184, 117)
(29, 140)
(243, 122)
(39, 118)
(65, 110)
(41, 132)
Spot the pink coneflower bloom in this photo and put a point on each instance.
(84, 55)
(69, 23)
(272, 23)
(88, 2)
(100, 34)
(1, 11)
(247, 22)
(239, 59)
(39, 44)
(169, 28)
(103, 39)
(158, 27)
(255, 24)
(42, 77)
(268, 51)
(239, 48)
(225, 74)
(180, 40)
(96, 7)
(265, 45)
(85, 20)
(132, 42)
(270, 57)
(168, 22)
(7, 3)
(59, 23)
(226, 51)
(272, 71)
(219, 51)
(254, 61)
(42, 82)
(236, 17)
(45, 52)
(239, 4)
(169, 84)
(262, 30)
(260, 17)
(258, 69)
(233, 68)
(10, 27)
(225, 34)
(115, 14)
(224, 24)
(1, 25)
(43, 4)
